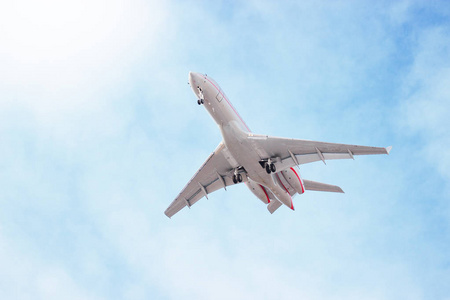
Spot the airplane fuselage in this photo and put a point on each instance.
(240, 152)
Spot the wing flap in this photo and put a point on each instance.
(215, 173)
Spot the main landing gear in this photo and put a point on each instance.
(237, 178)
(200, 101)
(269, 166)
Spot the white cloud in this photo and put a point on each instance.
(95, 146)
(425, 105)
(65, 62)
(24, 276)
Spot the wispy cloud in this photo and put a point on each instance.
(99, 131)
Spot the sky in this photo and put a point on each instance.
(99, 132)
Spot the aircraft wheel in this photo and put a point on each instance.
(268, 169)
(199, 102)
(273, 168)
(239, 177)
(235, 179)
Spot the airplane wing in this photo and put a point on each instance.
(215, 173)
(286, 152)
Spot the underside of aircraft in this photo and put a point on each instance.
(267, 165)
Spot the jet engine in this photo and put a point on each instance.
(258, 190)
(290, 181)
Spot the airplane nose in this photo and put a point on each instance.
(191, 79)
(194, 82)
(194, 79)
(193, 75)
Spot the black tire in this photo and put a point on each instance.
(199, 102)
(273, 168)
(239, 177)
(268, 169)
(234, 179)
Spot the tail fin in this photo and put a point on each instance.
(322, 187)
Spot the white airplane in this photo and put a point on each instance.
(267, 165)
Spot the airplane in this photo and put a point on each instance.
(267, 165)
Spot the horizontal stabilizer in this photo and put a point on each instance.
(321, 187)
(273, 206)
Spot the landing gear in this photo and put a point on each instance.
(200, 94)
(237, 178)
(269, 166)
(273, 168)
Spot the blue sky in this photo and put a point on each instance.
(99, 131)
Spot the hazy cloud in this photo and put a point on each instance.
(99, 131)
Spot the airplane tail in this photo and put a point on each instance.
(321, 187)
(309, 185)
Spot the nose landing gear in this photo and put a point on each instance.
(200, 93)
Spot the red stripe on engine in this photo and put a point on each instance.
(301, 184)
(264, 190)
(292, 204)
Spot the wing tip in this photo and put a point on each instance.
(388, 149)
